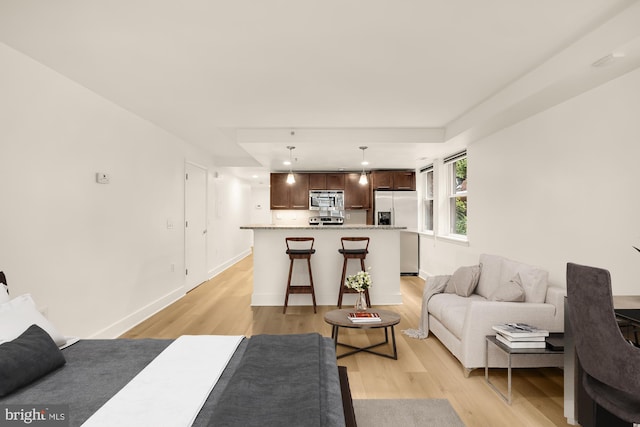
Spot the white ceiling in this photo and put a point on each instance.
(244, 79)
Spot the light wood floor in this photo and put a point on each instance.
(424, 369)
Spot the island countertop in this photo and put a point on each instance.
(271, 263)
(320, 227)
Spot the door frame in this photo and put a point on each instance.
(187, 284)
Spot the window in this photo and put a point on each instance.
(457, 172)
(428, 200)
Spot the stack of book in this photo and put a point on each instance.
(521, 335)
(364, 317)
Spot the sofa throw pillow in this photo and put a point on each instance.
(465, 280)
(450, 288)
(20, 313)
(30, 356)
(534, 279)
(512, 291)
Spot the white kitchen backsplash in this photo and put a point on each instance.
(296, 217)
(290, 217)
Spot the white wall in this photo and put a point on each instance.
(261, 199)
(229, 208)
(558, 187)
(98, 257)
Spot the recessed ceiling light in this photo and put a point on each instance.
(286, 163)
(254, 176)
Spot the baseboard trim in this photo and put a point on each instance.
(123, 325)
(222, 267)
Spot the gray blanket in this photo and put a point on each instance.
(283, 380)
(434, 285)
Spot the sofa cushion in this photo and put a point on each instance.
(512, 291)
(441, 302)
(465, 280)
(534, 279)
(490, 279)
(451, 309)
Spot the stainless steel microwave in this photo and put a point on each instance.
(326, 200)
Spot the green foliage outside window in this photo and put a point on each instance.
(461, 202)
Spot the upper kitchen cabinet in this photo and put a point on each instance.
(326, 181)
(404, 180)
(335, 181)
(382, 180)
(393, 180)
(317, 181)
(289, 196)
(356, 195)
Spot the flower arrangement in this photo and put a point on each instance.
(360, 281)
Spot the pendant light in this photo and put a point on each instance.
(363, 176)
(290, 178)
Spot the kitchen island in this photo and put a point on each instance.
(271, 264)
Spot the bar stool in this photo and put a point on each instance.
(352, 253)
(299, 254)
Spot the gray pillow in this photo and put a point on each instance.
(25, 359)
(512, 291)
(450, 288)
(465, 280)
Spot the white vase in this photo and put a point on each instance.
(361, 302)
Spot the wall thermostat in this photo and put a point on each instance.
(102, 178)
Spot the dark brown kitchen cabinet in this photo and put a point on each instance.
(404, 180)
(382, 180)
(356, 195)
(317, 181)
(335, 181)
(393, 180)
(326, 181)
(289, 196)
(299, 192)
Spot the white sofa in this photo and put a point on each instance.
(462, 322)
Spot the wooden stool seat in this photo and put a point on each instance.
(352, 253)
(294, 254)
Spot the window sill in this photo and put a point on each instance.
(458, 239)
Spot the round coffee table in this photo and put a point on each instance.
(388, 319)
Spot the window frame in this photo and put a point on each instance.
(453, 195)
(428, 171)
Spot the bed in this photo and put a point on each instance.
(265, 379)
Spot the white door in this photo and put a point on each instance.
(195, 235)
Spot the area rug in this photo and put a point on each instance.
(405, 413)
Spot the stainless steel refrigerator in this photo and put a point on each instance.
(400, 208)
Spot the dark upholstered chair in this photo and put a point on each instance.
(611, 364)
